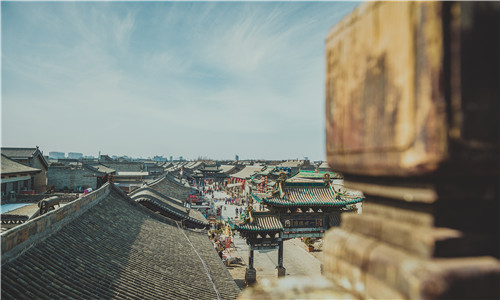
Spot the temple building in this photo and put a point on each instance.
(294, 209)
(210, 172)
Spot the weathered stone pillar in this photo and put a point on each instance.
(280, 270)
(250, 272)
(412, 120)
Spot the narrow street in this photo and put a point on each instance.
(296, 260)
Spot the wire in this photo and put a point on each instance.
(202, 261)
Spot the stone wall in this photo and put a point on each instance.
(66, 177)
(40, 180)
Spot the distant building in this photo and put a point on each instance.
(154, 170)
(105, 158)
(16, 177)
(75, 155)
(76, 178)
(159, 158)
(171, 158)
(180, 158)
(34, 158)
(236, 158)
(57, 155)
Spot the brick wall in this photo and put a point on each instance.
(40, 180)
(71, 178)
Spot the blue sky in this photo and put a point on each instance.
(210, 79)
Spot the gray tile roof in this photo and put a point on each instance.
(173, 208)
(24, 153)
(10, 166)
(18, 152)
(291, 163)
(194, 165)
(169, 187)
(227, 169)
(124, 166)
(102, 168)
(247, 172)
(324, 165)
(131, 174)
(118, 249)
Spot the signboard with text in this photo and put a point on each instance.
(264, 245)
(300, 226)
(295, 222)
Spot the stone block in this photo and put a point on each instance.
(378, 289)
(386, 264)
(22, 235)
(424, 242)
(384, 104)
(362, 224)
(60, 214)
(250, 276)
(352, 247)
(280, 271)
(409, 216)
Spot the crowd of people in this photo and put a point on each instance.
(218, 235)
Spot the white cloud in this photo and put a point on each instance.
(167, 76)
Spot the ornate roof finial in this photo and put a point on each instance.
(326, 178)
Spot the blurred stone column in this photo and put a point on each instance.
(412, 120)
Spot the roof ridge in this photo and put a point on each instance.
(19, 148)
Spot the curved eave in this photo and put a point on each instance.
(256, 198)
(174, 212)
(240, 228)
(305, 203)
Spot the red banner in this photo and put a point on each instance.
(228, 242)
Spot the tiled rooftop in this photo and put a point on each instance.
(118, 249)
(309, 194)
(10, 166)
(228, 169)
(262, 221)
(247, 172)
(124, 166)
(172, 206)
(18, 152)
(171, 188)
(102, 168)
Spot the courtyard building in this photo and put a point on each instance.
(34, 158)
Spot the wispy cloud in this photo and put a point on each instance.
(163, 77)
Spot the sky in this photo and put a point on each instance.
(191, 79)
